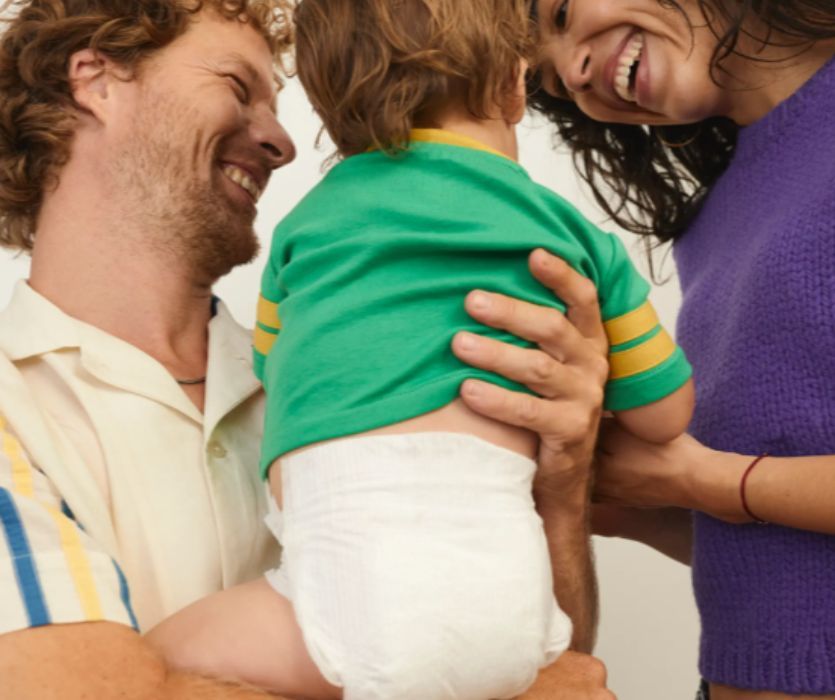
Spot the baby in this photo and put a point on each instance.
(414, 565)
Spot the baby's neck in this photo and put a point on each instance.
(495, 133)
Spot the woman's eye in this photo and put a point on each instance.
(561, 16)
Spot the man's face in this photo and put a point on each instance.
(195, 142)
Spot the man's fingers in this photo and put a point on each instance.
(572, 676)
(554, 421)
(534, 368)
(577, 292)
(545, 326)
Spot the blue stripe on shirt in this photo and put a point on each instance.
(27, 575)
(125, 593)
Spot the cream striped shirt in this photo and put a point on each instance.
(119, 500)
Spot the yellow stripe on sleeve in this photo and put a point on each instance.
(263, 341)
(78, 562)
(268, 313)
(641, 358)
(632, 325)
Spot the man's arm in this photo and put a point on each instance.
(64, 620)
(567, 371)
(566, 518)
(100, 660)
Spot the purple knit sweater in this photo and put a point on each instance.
(758, 324)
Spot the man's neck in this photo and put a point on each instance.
(94, 261)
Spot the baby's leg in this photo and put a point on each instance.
(247, 633)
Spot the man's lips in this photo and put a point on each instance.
(244, 178)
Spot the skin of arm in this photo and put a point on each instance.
(567, 372)
(792, 491)
(663, 420)
(100, 660)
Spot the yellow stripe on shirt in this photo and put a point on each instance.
(263, 341)
(22, 481)
(632, 325)
(267, 314)
(78, 562)
(641, 358)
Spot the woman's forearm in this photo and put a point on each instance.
(796, 492)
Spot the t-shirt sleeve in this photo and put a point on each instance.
(267, 323)
(645, 363)
(51, 571)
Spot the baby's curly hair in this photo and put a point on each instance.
(374, 68)
(37, 114)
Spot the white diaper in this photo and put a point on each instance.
(417, 567)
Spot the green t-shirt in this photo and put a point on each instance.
(370, 272)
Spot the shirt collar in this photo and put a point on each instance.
(32, 326)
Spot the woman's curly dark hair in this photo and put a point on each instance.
(653, 180)
(37, 112)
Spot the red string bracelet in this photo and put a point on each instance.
(742, 481)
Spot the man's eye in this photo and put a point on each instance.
(561, 16)
(241, 90)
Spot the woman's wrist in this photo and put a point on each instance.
(714, 484)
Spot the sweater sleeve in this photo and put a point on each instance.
(645, 363)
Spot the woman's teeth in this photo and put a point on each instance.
(239, 177)
(627, 68)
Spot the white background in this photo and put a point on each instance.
(649, 629)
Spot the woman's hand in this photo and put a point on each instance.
(682, 473)
(567, 371)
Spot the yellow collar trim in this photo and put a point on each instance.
(452, 139)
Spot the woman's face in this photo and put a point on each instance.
(630, 61)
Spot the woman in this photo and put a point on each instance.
(709, 123)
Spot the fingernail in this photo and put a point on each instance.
(479, 301)
(471, 390)
(467, 342)
(541, 258)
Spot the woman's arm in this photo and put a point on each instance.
(568, 372)
(667, 530)
(792, 491)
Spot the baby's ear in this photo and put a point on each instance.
(517, 95)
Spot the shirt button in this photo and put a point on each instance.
(217, 450)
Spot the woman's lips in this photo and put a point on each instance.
(628, 63)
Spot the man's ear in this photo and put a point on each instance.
(517, 97)
(90, 77)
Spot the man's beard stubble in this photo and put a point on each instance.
(184, 218)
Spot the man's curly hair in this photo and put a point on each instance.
(37, 111)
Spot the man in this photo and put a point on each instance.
(135, 139)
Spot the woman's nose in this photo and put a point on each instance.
(576, 73)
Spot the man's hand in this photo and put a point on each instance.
(567, 370)
(573, 676)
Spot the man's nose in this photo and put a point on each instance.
(274, 141)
